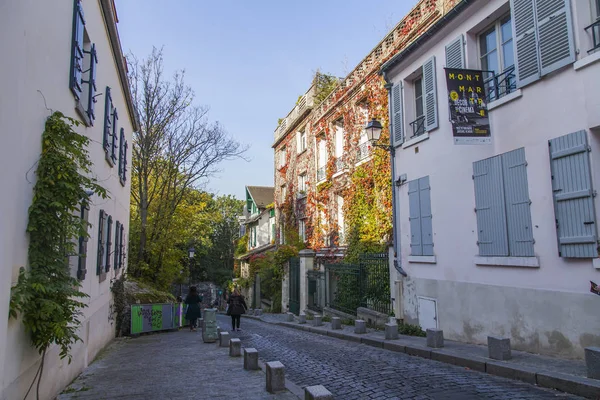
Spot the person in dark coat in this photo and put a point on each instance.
(193, 301)
(237, 307)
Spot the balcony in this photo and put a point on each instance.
(418, 126)
(499, 85)
(595, 30)
(321, 174)
(339, 164)
(364, 151)
(304, 104)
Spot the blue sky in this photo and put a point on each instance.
(250, 60)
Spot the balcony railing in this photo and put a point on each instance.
(595, 29)
(321, 174)
(364, 151)
(339, 164)
(305, 103)
(499, 85)
(418, 126)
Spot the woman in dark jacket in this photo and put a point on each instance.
(193, 301)
(237, 307)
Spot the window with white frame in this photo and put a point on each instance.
(340, 220)
(282, 157)
(302, 184)
(421, 103)
(339, 144)
(322, 160)
(497, 57)
(418, 126)
(283, 193)
(302, 229)
(301, 141)
(363, 144)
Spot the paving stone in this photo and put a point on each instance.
(435, 338)
(499, 348)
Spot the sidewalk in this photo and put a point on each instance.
(175, 365)
(565, 375)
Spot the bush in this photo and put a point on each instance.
(326, 318)
(347, 321)
(309, 317)
(411, 330)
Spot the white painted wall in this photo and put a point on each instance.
(546, 309)
(36, 59)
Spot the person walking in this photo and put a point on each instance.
(236, 307)
(193, 301)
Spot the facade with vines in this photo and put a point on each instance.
(332, 188)
(67, 124)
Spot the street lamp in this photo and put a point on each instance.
(373, 131)
(191, 253)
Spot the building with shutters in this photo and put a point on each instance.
(258, 223)
(498, 234)
(323, 163)
(63, 56)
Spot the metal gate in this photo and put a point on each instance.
(294, 299)
(316, 290)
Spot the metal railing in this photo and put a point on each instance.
(595, 29)
(321, 173)
(339, 164)
(364, 151)
(499, 85)
(366, 284)
(418, 126)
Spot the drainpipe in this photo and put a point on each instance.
(395, 228)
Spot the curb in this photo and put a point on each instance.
(573, 384)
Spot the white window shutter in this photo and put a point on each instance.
(555, 34)
(455, 53)
(430, 93)
(526, 42)
(397, 130)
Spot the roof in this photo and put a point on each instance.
(262, 195)
(258, 250)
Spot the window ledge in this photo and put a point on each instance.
(422, 259)
(525, 262)
(415, 140)
(587, 60)
(505, 99)
(364, 160)
(339, 173)
(302, 152)
(82, 113)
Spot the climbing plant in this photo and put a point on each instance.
(47, 296)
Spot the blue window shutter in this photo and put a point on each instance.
(416, 244)
(430, 95)
(397, 120)
(455, 53)
(573, 196)
(106, 141)
(555, 34)
(490, 207)
(518, 204)
(108, 242)
(122, 252)
(524, 26)
(124, 162)
(117, 245)
(83, 241)
(121, 158)
(426, 216)
(113, 150)
(77, 50)
(92, 84)
(101, 258)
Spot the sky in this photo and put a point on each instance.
(248, 61)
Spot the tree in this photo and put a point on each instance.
(175, 150)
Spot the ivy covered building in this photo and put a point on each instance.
(332, 190)
(65, 57)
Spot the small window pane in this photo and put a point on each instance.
(488, 41)
(490, 62)
(506, 30)
(508, 54)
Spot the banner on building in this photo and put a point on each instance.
(468, 106)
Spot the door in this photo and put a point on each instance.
(427, 313)
(294, 294)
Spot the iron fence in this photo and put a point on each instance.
(366, 284)
(364, 151)
(321, 174)
(418, 126)
(499, 85)
(316, 290)
(595, 30)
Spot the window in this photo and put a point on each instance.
(573, 194)
(339, 145)
(421, 231)
(283, 193)
(301, 142)
(424, 97)
(83, 241)
(497, 57)
(502, 205)
(594, 29)
(117, 252)
(282, 157)
(109, 242)
(84, 60)
(340, 220)
(542, 31)
(302, 184)
(364, 150)
(418, 125)
(322, 164)
(302, 230)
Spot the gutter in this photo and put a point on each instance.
(111, 25)
(421, 40)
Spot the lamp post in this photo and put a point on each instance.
(373, 130)
(191, 254)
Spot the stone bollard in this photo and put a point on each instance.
(251, 359)
(224, 339)
(360, 326)
(302, 318)
(275, 377)
(318, 320)
(235, 347)
(435, 338)
(336, 323)
(258, 312)
(391, 331)
(499, 348)
(317, 392)
(290, 317)
(592, 361)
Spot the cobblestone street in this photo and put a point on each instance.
(356, 371)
